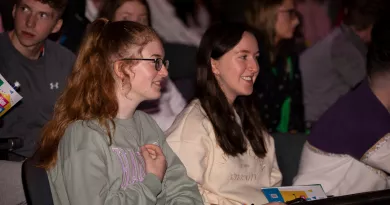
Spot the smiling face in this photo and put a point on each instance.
(144, 78)
(34, 21)
(132, 11)
(237, 70)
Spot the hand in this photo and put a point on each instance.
(154, 160)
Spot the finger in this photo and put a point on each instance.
(156, 148)
(152, 153)
(145, 153)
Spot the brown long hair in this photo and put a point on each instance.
(231, 137)
(90, 92)
(262, 15)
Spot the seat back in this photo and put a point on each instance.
(11, 188)
(288, 152)
(36, 184)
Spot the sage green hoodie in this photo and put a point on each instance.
(89, 171)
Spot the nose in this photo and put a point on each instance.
(163, 72)
(254, 66)
(31, 21)
(296, 21)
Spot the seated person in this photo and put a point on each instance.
(219, 136)
(348, 149)
(171, 102)
(336, 64)
(39, 65)
(98, 149)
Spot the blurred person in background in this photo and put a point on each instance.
(279, 86)
(77, 16)
(169, 26)
(171, 102)
(40, 66)
(193, 13)
(316, 22)
(335, 65)
(348, 151)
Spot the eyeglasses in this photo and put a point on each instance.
(158, 62)
(292, 13)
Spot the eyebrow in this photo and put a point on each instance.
(130, 13)
(247, 52)
(157, 55)
(24, 5)
(49, 13)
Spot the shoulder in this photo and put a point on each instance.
(84, 135)
(341, 124)
(190, 122)
(143, 117)
(342, 46)
(194, 114)
(60, 53)
(320, 49)
(150, 131)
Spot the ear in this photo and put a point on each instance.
(58, 26)
(14, 11)
(215, 66)
(118, 71)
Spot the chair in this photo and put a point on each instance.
(7, 145)
(36, 184)
(288, 153)
(11, 187)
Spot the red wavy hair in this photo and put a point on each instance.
(91, 90)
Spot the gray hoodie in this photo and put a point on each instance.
(89, 171)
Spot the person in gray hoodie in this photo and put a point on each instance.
(98, 149)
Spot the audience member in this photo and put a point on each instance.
(194, 14)
(98, 149)
(219, 136)
(279, 86)
(39, 65)
(316, 21)
(348, 149)
(336, 64)
(77, 16)
(171, 102)
(169, 26)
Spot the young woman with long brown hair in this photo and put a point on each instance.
(98, 149)
(279, 86)
(219, 136)
(165, 109)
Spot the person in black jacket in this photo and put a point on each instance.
(279, 82)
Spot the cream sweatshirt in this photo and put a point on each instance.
(222, 179)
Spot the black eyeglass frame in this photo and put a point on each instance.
(158, 62)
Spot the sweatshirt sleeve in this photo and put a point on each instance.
(276, 175)
(86, 179)
(178, 187)
(189, 140)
